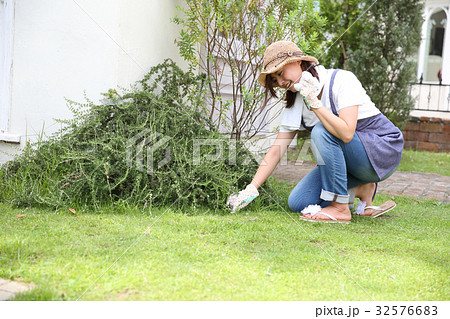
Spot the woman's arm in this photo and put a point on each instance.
(272, 157)
(344, 126)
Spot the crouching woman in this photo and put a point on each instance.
(354, 144)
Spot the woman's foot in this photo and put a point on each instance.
(337, 210)
(365, 193)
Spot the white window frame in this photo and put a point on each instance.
(6, 43)
(423, 51)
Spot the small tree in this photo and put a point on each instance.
(383, 61)
(343, 30)
(226, 40)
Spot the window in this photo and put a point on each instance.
(437, 21)
(434, 46)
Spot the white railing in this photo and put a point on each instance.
(431, 97)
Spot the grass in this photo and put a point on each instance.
(425, 162)
(261, 253)
(203, 255)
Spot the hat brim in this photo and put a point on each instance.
(262, 76)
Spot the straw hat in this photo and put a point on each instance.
(277, 55)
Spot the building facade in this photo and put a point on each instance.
(432, 91)
(51, 51)
(434, 52)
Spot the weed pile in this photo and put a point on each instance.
(150, 145)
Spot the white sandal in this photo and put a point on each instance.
(316, 209)
(378, 210)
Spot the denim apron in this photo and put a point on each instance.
(381, 139)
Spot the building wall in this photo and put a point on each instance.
(63, 49)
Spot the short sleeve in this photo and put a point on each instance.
(347, 90)
(288, 129)
(292, 117)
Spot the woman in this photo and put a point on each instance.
(355, 146)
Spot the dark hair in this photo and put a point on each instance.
(290, 96)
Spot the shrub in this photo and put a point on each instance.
(98, 157)
(384, 61)
(377, 40)
(226, 40)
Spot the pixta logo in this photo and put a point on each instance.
(147, 143)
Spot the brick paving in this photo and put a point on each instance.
(412, 184)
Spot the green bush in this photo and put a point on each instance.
(94, 160)
(384, 61)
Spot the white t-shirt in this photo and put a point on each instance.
(347, 91)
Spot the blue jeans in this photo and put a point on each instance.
(341, 166)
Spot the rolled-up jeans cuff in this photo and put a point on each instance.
(332, 197)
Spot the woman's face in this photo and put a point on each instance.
(288, 75)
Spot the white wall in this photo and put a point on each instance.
(62, 48)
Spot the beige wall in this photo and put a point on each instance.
(64, 48)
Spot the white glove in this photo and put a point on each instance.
(309, 87)
(238, 201)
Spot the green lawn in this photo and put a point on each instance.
(438, 163)
(258, 254)
(204, 255)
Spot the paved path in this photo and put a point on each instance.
(412, 184)
(9, 289)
